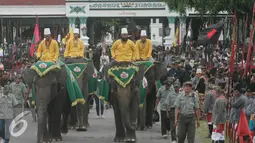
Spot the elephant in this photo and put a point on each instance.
(48, 98)
(157, 72)
(125, 102)
(78, 115)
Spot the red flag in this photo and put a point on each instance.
(36, 38)
(211, 33)
(254, 7)
(243, 128)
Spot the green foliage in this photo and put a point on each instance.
(103, 26)
(211, 6)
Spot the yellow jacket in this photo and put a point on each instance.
(124, 51)
(74, 50)
(145, 49)
(49, 54)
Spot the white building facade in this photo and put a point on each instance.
(83, 9)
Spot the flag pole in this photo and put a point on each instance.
(2, 34)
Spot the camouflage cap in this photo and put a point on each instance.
(177, 84)
(188, 83)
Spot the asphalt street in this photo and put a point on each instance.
(101, 131)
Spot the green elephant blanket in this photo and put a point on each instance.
(72, 85)
(92, 83)
(123, 75)
(103, 89)
(147, 64)
(73, 88)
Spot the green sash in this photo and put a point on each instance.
(77, 68)
(73, 88)
(148, 64)
(143, 91)
(123, 75)
(42, 68)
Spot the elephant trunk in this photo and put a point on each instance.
(124, 99)
(43, 97)
(42, 118)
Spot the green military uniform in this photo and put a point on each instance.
(171, 98)
(162, 94)
(187, 105)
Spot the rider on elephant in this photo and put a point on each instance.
(48, 50)
(144, 46)
(124, 50)
(74, 47)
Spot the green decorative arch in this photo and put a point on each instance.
(171, 20)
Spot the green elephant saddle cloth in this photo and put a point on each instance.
(123, 75)
(77, 68)
(42, 68)
(148, 64)
(143, 91)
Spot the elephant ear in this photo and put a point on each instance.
(140, 74)
(29, 76)
(90, 68)
(160, 70)
(61, 75)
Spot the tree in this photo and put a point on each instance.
(103, 26)
(211, 6)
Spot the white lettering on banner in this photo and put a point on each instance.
(18, 120)
(127, 13)
(128, 5)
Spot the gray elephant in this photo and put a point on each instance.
(125, 100)
(156, 72)
(48, 98)
(78, 115)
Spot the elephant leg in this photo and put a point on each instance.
(142, 117)
(42, 99)
(138, 126)
(86, 106)
(80, 112)
(65, 114)
(86, 115)
(55, 117)
(150, 103)
(120, 130)
(89, 102)
(42, 130)
(134, 106)
(72, 119)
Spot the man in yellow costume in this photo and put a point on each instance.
(48, 50)
(124, 50)
(144, 46)
(75, 46)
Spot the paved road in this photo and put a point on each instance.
(101, 131)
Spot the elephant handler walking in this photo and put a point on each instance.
(75, 47)
(162, 95)
(48, 50)
(170, 109)
(187, 114)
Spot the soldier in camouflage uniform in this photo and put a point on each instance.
(209, 100)
(187, 114)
